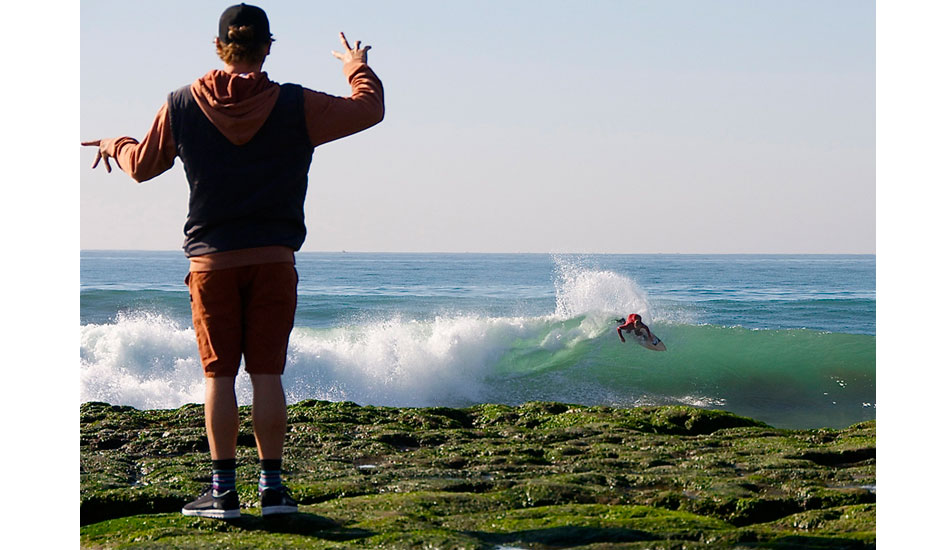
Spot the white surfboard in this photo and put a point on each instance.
(655, 344)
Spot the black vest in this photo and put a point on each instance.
(243, 196)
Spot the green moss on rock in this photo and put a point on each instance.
(487, 476)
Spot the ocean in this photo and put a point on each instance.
(786, 339)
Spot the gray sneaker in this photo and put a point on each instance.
(225, 506)
(277, 501)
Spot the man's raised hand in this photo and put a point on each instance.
(351, 54)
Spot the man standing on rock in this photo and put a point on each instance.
(246, 143)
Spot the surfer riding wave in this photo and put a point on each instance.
(634, 323)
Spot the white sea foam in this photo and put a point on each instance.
(143, 360)
(401, 362)
(148, 361)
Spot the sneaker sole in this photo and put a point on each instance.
(273, 510)
(213, 514)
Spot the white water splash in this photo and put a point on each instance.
(597, 293)
(148, 361)
(401, 363)
(143, 360)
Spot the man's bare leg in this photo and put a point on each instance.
(269, 414)
(221, 425)
(221, 417)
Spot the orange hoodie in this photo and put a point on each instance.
(239, 104)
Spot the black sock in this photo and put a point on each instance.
(270, 474)
(223, 476)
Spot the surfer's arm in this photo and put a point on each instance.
(620, 334)
(141, 160)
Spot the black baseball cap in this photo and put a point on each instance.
(244, 15)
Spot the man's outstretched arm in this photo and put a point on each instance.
(141, 160)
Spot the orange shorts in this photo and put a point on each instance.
(245, 311)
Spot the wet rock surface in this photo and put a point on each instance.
(540, 475)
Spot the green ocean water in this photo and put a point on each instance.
(789, 340)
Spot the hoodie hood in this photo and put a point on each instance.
(237, 104)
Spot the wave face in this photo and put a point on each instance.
(145, 356)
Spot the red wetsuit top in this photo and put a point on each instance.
(630, 325)
(631, 322)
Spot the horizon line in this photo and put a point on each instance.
(521, 253)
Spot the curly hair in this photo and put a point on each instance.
(243, 47)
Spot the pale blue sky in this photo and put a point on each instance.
(713, 126)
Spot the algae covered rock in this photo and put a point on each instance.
(537, 475)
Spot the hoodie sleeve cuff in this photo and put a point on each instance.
(351, 68)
